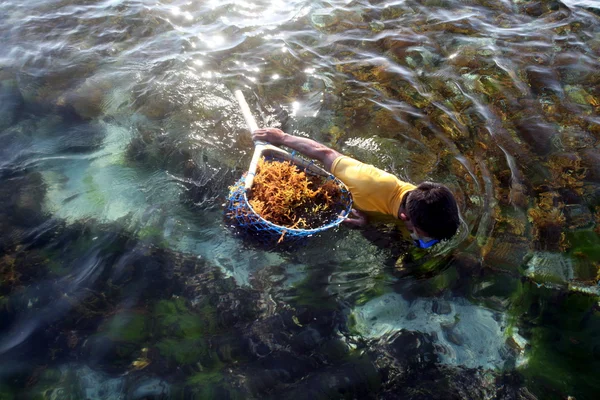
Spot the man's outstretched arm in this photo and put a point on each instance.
(308, 147)
(311, 149)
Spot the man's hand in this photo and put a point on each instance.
(306, 146)
(271, 135)
(356, 219)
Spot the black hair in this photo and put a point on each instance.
(432, 208)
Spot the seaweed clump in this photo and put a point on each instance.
(287, 196)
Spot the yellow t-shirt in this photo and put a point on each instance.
(373, 190)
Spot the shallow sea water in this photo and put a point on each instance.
(120, 137)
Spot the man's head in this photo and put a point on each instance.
(431, 211)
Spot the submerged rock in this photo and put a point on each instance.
(578, 216)
(205, 185)
(21, 199)
(548, 221)
(356, 379)
(11, 104)
(534, 8)
(398, 45)
(567, 172)
(79, 381)
(324, 18)
(147, 387)
(443, 382)
(546, 267)
(457, 336)
(44, 81)
(290, 348)
(119, 340)
(403, 352)
(543, 80)
(409, 366)
(337, 19)
(537, 133)
(88, 100)
(81, 137)
(505, 252)
(441, 307)
(590, 160)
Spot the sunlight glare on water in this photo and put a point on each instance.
(121, 278)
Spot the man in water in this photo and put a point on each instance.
(429, 210)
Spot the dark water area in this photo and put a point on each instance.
(119, 139)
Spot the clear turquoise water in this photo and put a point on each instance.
(120, 137)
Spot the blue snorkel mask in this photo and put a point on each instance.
(422, 243)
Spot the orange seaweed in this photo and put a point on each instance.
(287, 196)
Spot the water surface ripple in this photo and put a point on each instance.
(120, 138)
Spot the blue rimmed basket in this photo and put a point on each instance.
(245, 221)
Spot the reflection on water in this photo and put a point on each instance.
(120, 137)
